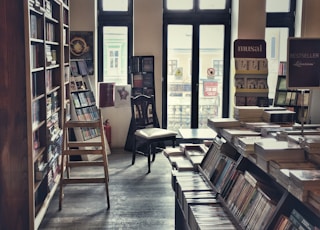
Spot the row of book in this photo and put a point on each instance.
(251, 66)
(252, 201)
(51, 55)
(89, 133)
(35, 27)
(83, 98)
(50, 32)
(89, 113)
(294, 220)
(142, 80)
(79, 67)
(200, 206)
(251, 82)
(52, 103)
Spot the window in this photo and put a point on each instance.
(280, 26)
(278, 6)
(172, 66)
(218, 67)
(113, 6)
(198, 34)
(115, 40)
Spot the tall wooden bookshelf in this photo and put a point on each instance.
(36, 56)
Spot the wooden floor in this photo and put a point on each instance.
(138, 200)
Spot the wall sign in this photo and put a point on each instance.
(249, 48)
(303, 63)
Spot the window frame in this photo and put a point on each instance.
(197, 16)
(116, 18)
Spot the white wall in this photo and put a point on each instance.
(147, 41)
(147, 38)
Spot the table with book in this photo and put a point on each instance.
(263, 171)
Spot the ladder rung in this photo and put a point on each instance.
(74, 152)
(85, 163)
(83, 180)
(74, 144)
(83, 124)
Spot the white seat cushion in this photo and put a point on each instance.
(154, 133)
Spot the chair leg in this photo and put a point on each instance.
(149, 158)
(134, 151)
(153, 152)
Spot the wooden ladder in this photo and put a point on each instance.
(95, 146)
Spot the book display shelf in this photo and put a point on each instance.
(250, 182)
(47, 44)
(293, 99)
(141, 69)
(251, 72)
(83, 104)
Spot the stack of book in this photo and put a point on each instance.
(195, 153)
(314, 199)
(278, 151)
(219, 123)
(279, 116)
(231, 134)
(245, 145)
(190, 198)
(280, 169)
(209, 217)
(258, 126)
(248, 113)
(302, 181)
(310, 143)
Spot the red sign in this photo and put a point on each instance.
(210, 88)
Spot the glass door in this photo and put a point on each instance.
(195, 65)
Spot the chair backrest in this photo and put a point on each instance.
(144, 112)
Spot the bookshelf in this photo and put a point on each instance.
(251, 73)
(293, 99)
(247, 193)
(141, 69)
(83, 104)
(47, 82)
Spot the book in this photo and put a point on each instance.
(279, 150)
(231, 133)
(306, 178)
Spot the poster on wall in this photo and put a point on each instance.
(122, 96)
(106, 94)
(81, 47)
(303, 63)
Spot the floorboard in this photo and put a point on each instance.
(138, 200)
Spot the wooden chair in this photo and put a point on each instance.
(148, 136)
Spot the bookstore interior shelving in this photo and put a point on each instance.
(48, 80)
(250, 180)
(294, 99)
(141, 69)
(83, 104)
